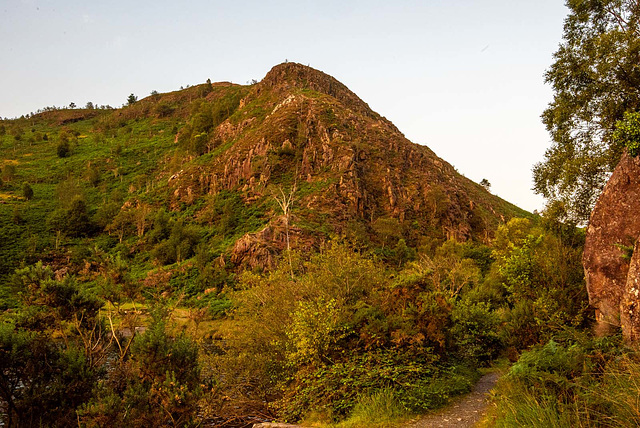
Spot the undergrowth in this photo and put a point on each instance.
(575, 382)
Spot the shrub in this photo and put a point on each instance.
(8, 171)
(158, 386)
(574, 382)
(475, 332)
(27, 191)
(63, 149)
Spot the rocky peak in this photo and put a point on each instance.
(291, 74)
(353, 168)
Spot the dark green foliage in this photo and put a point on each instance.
(475, 332)
(229, 215)
(333, 388)
(106, 213)
(196, 136)
(63, 150)
(158, 385)
(63, 299)
(132, 99)
(73, 221)
(572, 381)
(543, 281)
(161, 227)
(44, 380)
(179, 245)
(27, 191)
(41, 384)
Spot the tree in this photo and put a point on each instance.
(9, 171)
(485, 183)
(595, 77)
(27, 191)
(51, 351)
(78, 221)
(131, 99)
(285, 202)
(157, 385)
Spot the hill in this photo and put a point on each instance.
(218, 156)
(174, 216)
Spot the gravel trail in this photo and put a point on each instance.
(464, 412)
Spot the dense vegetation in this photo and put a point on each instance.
(123, 306)
(595, 77)
(124, 302)
(574, 379)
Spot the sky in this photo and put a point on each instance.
(464, 77)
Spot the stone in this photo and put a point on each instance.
(614, 224)
(630, 303)
(275, 425)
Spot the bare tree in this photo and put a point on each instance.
(285, 201)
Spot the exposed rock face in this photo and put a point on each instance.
(300, 125)
(260, 249)
(291, 74)
(630, 304)
(615, 223)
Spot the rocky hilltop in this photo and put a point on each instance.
(300, 127)
(219, 158)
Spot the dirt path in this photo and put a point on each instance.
(464, 412)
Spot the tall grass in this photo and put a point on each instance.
(571, 385)
(380, 409)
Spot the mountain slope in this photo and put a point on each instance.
(216, 156)
(299, 125)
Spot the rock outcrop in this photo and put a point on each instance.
(630, 303)
(613, 278)
(351, 165)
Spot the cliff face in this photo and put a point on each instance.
(614, 227)
(302, 127)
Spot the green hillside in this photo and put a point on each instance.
(226, 253)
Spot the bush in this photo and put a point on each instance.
(27, 191)
(573, 382)
(475, 332)
(63, 149)
(158, 386)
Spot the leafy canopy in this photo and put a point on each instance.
(596, 79)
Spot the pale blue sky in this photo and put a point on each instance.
(463, 77)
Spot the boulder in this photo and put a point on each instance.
(614, 228)
(630, 303)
